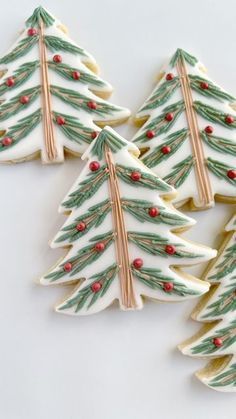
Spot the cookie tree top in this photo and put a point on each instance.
(189, 133)
(51, 97)
(122, 234)
(217, 339)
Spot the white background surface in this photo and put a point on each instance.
(113, 365)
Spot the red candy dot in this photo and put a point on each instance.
(76, 75)
(7, 141)
(138, 263)
(67, 267)
(32, 32)
(166, 149)
(135, 176)
(94, 134)
(94, 165)
(61, 120)
(209, 129)
(57, 58)
(10, 82)
(171, 250)
(92, 105)
(99, 247)
(231, 174)
(96, 286)
(153, 212)
(218, 342)
(24, 100)
(169, 116)
(229, 119)
(150, 134)
(168, 286)
(204, 85)
(81, 226)
(169, 76)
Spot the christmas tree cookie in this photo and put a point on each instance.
(51, 98)
(217, 309)
(188, 134)
(123, 235)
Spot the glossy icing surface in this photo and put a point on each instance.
(150, 239)
(218, 341)
(201, 137)
(70, 87)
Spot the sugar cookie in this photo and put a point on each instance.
(188, 134)
(217, 309)
(123, 235)
(51, 98)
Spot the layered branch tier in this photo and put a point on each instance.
(51, 98)
(188, 134)
(122, 234)
(217, 309)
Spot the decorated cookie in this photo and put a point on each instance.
(217, 309)
(50, 96)
(122, 235)
(188, 134)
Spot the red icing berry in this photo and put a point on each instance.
(166, 149)
(169, 116)
(92, 105)
(94, 165)
(218, 342)
(7, 141)
(96, 286)
(32, 32)
(135, 176)
(204, 85)
(138, 263)
(209, 129)
(168, 286)
(10, 82)
(171, 250)
(24, 100)
(81, 226)
(76, 75)
(67, 267)
(231, 174)
(150, 134)
(153, 212)
(57, 58)
(61, 120)
(99, 247)
(169, 76)
(94, 134)
(229, 119)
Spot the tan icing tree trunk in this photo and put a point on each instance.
(121, 239)
(49, 134)
(202, 177)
